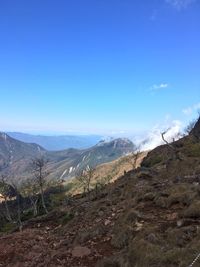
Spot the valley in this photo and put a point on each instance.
(16, 157)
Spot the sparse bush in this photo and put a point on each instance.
(152, 161)
(192, 150)
(132, 216)
(122, 237)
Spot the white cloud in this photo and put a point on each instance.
(154, 138)
(180, 4)
(190, 110)
(157, 87)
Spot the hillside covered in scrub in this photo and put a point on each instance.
(148, 217)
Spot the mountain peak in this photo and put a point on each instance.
(119, 142)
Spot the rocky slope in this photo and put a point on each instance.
(148, 217)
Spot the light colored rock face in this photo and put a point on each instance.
(80, 252)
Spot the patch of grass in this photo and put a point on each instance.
(122, 238)
(66, 218)
(181, 198)
(183, 194)
(152, 161)
(143, 254)
(192, 150)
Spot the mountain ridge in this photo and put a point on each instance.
(57, 142)
(65, 163)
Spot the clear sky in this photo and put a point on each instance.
(98, 66)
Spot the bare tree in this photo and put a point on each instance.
(16, 188)
(40, 175)
(134, 156)
(165, 140)
(4, 191)
(85, 179)
(30, 190)
(170, 145)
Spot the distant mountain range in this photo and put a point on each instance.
(54, 143)
(15, 157)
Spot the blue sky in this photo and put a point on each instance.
(98, 66)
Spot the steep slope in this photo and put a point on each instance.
(55, 143)
(69, 163)
(148, 217)
(15, 155)
(108, 172)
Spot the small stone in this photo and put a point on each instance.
(107, 222)
(80, 252)
(65, 242)
(180, 223)
(100, 213)
(138, 226)
(152, 238)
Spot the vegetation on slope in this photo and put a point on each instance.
(148, 217)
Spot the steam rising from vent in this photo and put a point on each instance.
(154, 138)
